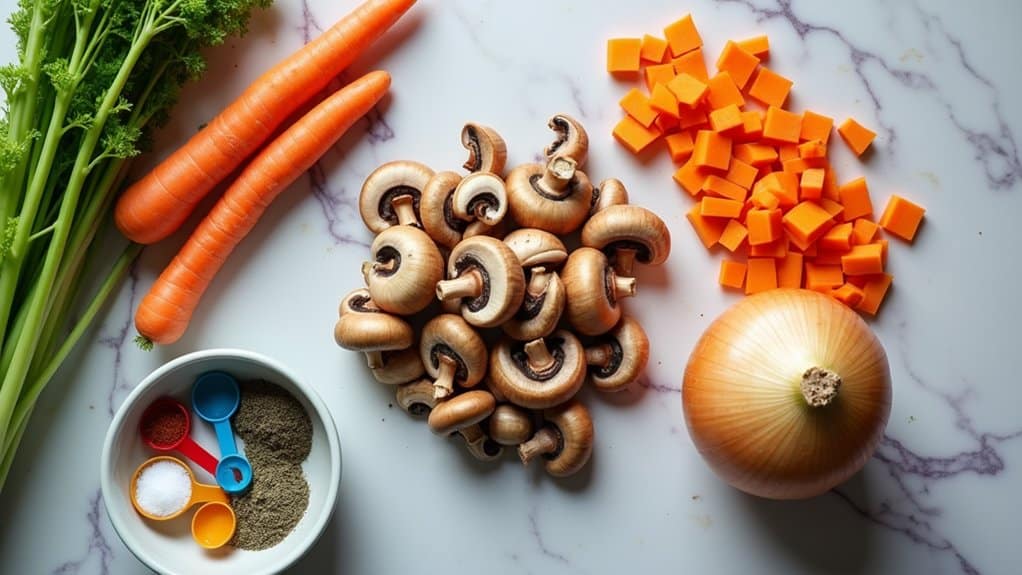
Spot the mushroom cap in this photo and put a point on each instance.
(534, 204)
(436, 209)
(364, 327)
(611, 192)
(406, 269)
(480, 196)
(487, 151)
(572, 140)
(461, 411)
(629, 353)
(450, 335)
(535, 247)
(392, 179)
(540, 312)
(399, 367)
(416, 397)
(514, 378)
(629, 227)
(503, 281)
(592, 305)
(479, 228)
(574, 427)
(510, 424)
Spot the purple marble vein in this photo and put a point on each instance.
(116, 340)
(538, 536)
(996, 151)
(98, 545)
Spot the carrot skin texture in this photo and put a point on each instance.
(166, 309)
(155, 206)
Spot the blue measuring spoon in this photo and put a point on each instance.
(215, 398)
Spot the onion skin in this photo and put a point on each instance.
(744, 408)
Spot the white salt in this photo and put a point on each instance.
(163, 488)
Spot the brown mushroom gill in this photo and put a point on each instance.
(604, 358)
(400, 206)
(537, 361)
(472, 283)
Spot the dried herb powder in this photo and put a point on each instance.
(278, 436)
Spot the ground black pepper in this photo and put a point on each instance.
(278, 436)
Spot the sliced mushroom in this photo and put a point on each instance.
(461, 411)
(405, 268)
(618, 357)
(611, 192)
(541, 308)
(416, 397)
(593, 291)
(364, 327)
(487, 151)
(437, 211)
(628, 234)
(510, 425)
(565, 440)
(535, 247)
(480, 445)
(453, 353)
(555, 197)
(390, 195)
(486, 276)
(480, 196)
(572, 140)
(541, 373)
(399, 367)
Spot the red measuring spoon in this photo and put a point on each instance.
(171, 409)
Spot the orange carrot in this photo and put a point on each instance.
(165, 311)
(156, 206)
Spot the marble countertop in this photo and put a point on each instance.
(941, 495)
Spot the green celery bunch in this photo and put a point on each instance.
(93, 79)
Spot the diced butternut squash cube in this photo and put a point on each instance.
(711, 150)
(709, 230)
(812, 150)
(810, 187)
(770, 88)
(765, 200)
(714, 207)
(863, 231)
(758, 155)
(726, 119)
(633, 135)
(902, 217)
(662, 101)
(758, 46)
(733, 236)
(666, 124)
(815, 127)
(787, 152)
(653, 49)
(692, 63)
(764, 226)
(658, 74)
(837, 239)
(623, 55)
(692, 118)
(830, 187)
(687, 89)
(752, 127)
(806, 222)
(823, 277)
(854, 197)
(833, 208)
(732, 274)
(863, 260)
(679, 145)
(720, 187)
(691, 178)
(636, 104)
(738, 62)
(761, 275)
(789, 271)
(741, 173)
(798, 165)
(856, 135)
(682, 36)
(874, 290)
(784, 185)
(723, 91)
(848, 294)
(782, 125)
(776, 249)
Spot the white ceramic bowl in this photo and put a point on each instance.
(167, 546)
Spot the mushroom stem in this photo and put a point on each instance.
(375, 359)
(404, 209)
(443, 386)
(539, 280)
(545, 441)
(624, 260)
(468, 284)
(600, 355)
(479, 445)
(820, 386)
(539, 355)
(624, 287)
(558, 174)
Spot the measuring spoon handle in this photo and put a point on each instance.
(202, 493)
(225, 437)
(198, 454)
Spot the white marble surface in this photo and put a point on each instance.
(940, 82)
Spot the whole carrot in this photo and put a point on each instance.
(156, 206)
(166, 310)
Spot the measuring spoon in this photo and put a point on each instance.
(184, 444)
(212, 525)
(215, 398)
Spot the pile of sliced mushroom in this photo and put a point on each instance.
(481, 258)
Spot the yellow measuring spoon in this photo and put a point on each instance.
(214, 522)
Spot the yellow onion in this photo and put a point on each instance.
(786, 394)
